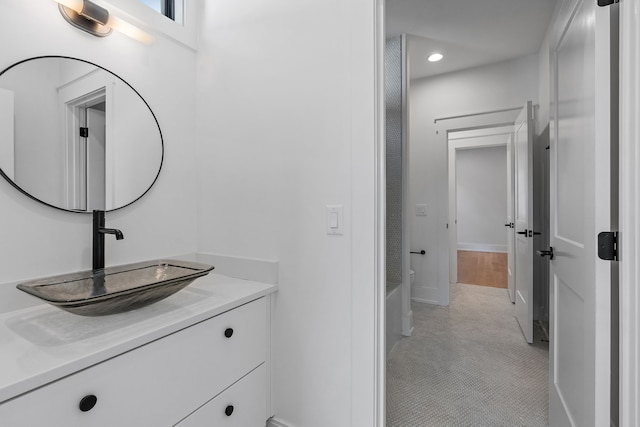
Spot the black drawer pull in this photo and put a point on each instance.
(228, 410)
(227, 333)
(88, 402)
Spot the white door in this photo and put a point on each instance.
(511, 264)
(580, 302)
(523, 146)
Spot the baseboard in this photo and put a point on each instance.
(482, 247)
(425, 294)
(425, 301)
(274, 422)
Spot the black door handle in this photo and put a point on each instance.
(525, 232)
(548, 253)
(510, 225)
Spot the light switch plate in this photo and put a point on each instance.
(421, 210)
(335, 220)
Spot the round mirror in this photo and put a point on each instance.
(75, 136)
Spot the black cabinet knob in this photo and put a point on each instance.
(88, 402)
(228, 410)
(227, 333)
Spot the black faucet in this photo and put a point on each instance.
(99, 231)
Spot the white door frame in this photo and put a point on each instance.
(467, 122)
(75, 116)
(378, 379)
(629, 245)
(90, 86)
(456, 141)
(407, 313)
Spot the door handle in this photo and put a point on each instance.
(510, 225)
(548, 253)
(525, 232)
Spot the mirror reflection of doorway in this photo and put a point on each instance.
(87, 149)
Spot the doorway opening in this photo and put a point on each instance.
(573, 77)
(481, 171)
(86, 151)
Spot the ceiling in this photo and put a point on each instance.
(469, 33)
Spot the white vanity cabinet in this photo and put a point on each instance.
(206, 367)
(241, 405)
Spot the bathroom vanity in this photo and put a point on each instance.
(199, 357)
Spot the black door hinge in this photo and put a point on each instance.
(84, 132)
(608, 245)
(603, 3)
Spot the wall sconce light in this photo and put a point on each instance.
(97, 20)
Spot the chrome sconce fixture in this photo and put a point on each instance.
(96, 20)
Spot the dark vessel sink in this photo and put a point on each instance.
(116, 289)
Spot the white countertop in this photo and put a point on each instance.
(41, 344)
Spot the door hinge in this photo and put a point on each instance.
(608, 245)
(84, 132)
(603, 3)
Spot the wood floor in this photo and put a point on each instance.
(482, 268)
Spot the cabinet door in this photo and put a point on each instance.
(155, 385)
(241, 405)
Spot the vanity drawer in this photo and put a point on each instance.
(157, 384)
(244, 404)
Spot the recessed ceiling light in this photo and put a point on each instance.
(435, 57)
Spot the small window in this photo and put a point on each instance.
(172, 9)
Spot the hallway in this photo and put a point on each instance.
(467, 365)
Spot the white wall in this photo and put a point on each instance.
(285, 127)
(37, 240)
(38, 165)
(507, 84)
(7, 132)
(481, 184)
(136, 153)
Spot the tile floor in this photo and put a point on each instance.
(467, 365)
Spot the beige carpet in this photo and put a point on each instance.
(468, 365)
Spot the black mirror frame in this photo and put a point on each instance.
(20, 189)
